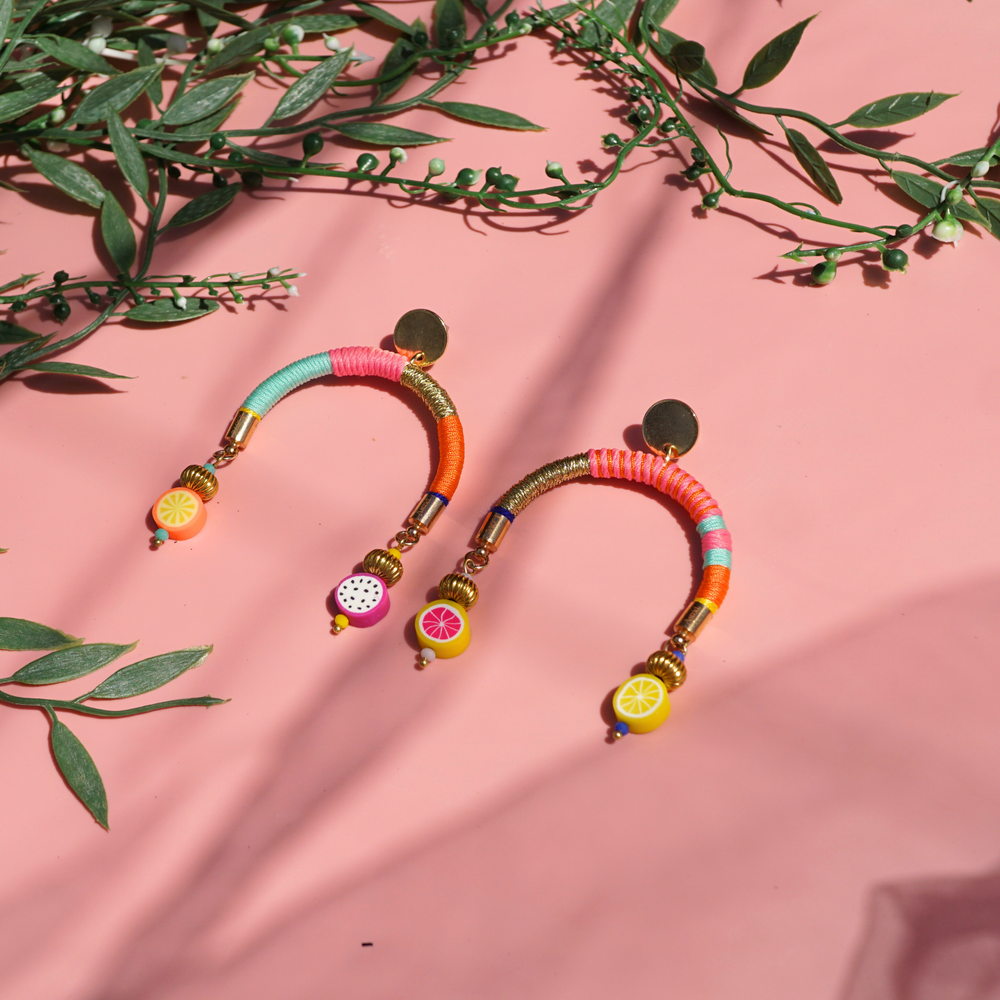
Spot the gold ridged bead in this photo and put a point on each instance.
(384, 565)
(199, 479)
(668, 667)
(458, 588)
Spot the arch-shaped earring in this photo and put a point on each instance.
(420, 338)
(670, 429)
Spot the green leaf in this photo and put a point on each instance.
(732, 112)
(128, 155)
(922, 190)
(19, 633)
(773, 57)
(971, 213)
(378, 134)
(384, 16)
(990, 208)
(204, 126)
(655, 12)
(239, 47)
(148, 675)
(967, 159)
(266, 159)
(19, 282)
(312, 23)
(69, 368)
(399, 54)
(203, 206)
(79, 770)
(11, 333)
(68, 176)
(204, 99)
(449, 23)
(663, 46)
(482, 115)
(896, 109)
(18, 102)
(117, 233)
(308, 89)
(115, 94)
(164, 311)
(6, 13)
(616, 13)
(68, 664)
(146, 58)
(73, 54)
(814, 165)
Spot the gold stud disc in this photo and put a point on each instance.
(670, 423)
(421, 332)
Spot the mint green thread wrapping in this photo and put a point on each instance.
(283, 382)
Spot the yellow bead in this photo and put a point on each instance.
(341, 621)
(395, 552)
(443, 626)
(642, 703)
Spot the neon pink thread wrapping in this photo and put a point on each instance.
(360, 361)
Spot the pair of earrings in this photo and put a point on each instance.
(669, 428)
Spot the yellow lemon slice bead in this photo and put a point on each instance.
(442, 629)
(641, 703)
(180, 512)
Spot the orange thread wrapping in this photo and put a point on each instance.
(714, 584)
(451, 451)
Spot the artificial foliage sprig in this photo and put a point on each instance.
(71, 658)
(165, 95)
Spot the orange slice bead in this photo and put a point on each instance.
(180, 512)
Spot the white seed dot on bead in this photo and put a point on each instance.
(427, 654)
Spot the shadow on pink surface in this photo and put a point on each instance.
(735, 847)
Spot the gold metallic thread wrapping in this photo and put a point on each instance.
(437, 400)
(542, 480)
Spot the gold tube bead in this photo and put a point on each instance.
(542, 480)
(383, 564)
(437, 400)
(241, 428)
(668, 667)
(199, 479)
(429, 508)
(694, 619)
(458, 588)
(491, 531)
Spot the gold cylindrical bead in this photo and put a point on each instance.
(383, 564)
(241, 428)
(459, 588)
(427, 511)
(199, 479)
(694, 619)
(668, 667)
(492, 530)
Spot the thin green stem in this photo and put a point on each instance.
(50, 706)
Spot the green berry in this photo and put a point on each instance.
(173, 172)
(95, 299)
(213, 46)
(57, 116)
(512, 18)
(833, 254)
(508, 183)
(698, 154)
(635, 92)
(397, 154)
(59, 277)
(367, 162)
(217, 141)
(824, 272)
(436, 167)
(895, 260)
(954, 196)
(711, 200)
(694, 172)
(18, 305)
(466, 176)
(903, 231)
(61, 310)
(252, 179)
(236, 156)
(643, 113)
(555, 170)
(312, 143)
(219, 181)
(493, 176)
(419, 38)
(611, 140)
(293, 34)
(272, 44)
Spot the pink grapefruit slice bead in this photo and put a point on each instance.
(443, 626)
(181, 513)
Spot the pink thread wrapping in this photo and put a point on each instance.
(358, 361)
(638, 466)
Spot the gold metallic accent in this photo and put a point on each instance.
(679, 642)
(618, 735)
(458, 588)
(474, 561)
(226, 454)
(670, 428)
(335, 628)
(694, 619)
(668, 667)
(241, 428)
(492, 530)
(384, 565)
(404, 540)
(421, 336)
(542, 480)
(199, 479)
(429, 508)
(437, 400)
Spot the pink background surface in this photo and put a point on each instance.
(819, 818)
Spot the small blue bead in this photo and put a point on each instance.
(622, 727)
(161, 534)
(679, 653)
(210, 467)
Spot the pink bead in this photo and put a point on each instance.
(363, 598)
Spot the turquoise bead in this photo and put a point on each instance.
(161, 534)
(210, 467)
